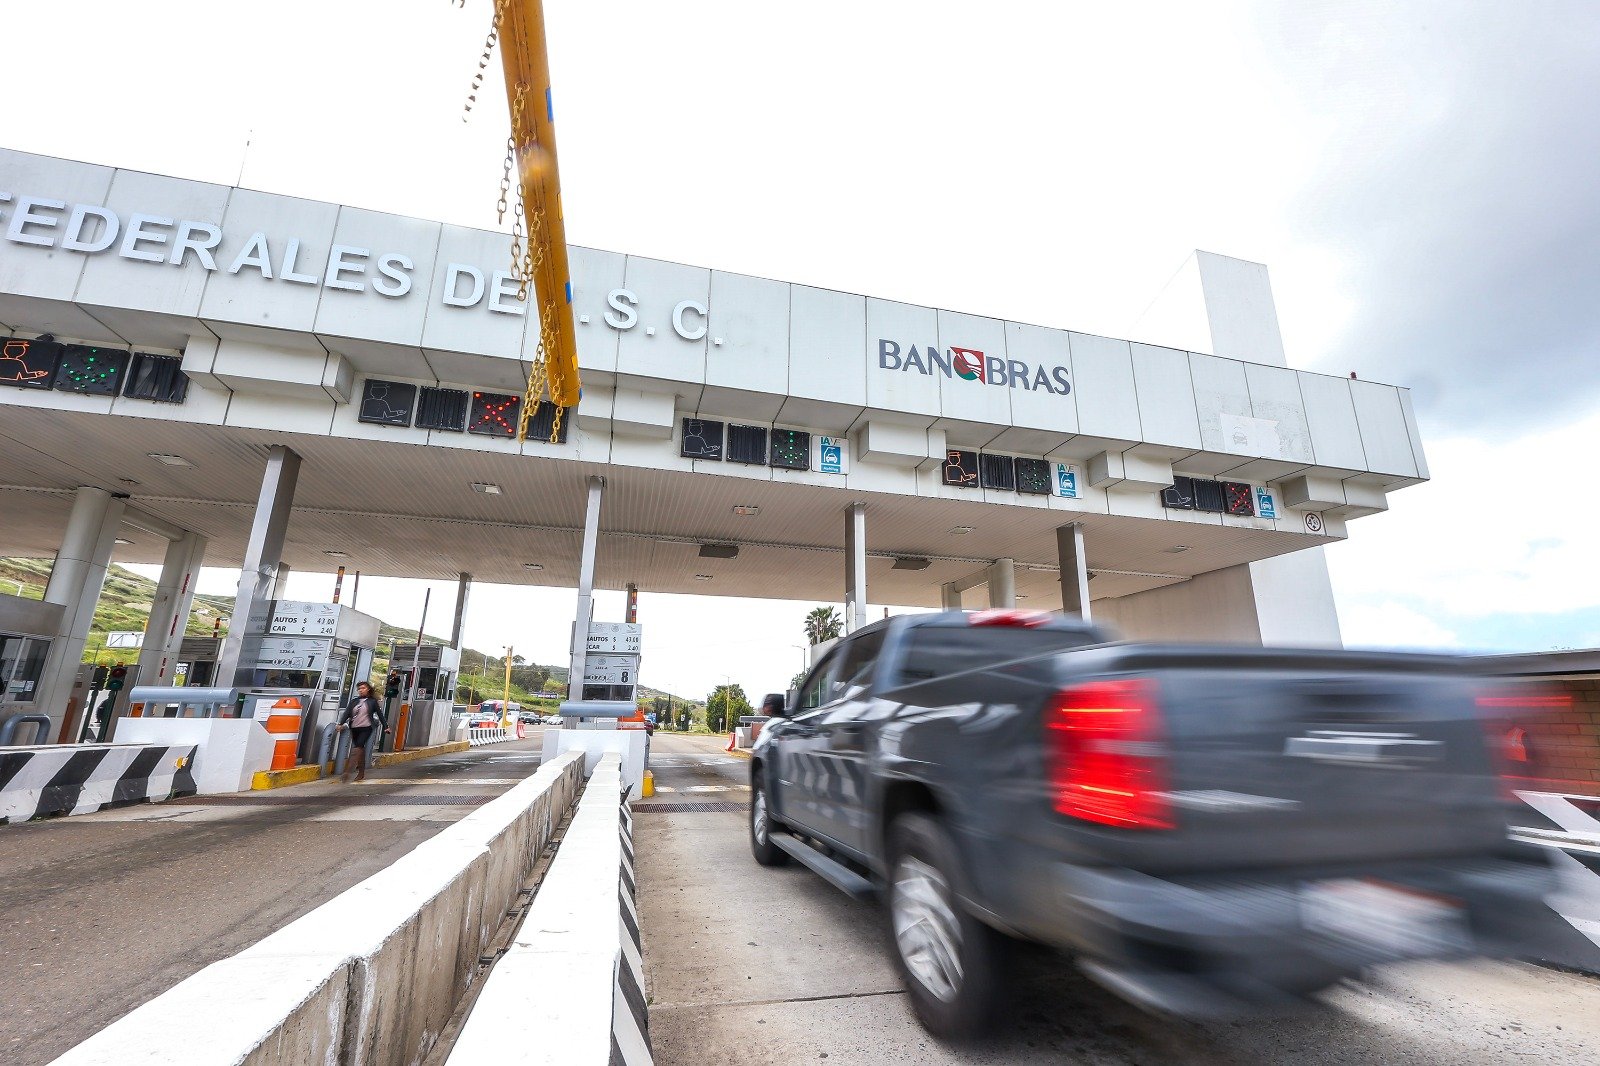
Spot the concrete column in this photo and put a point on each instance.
(280, 582)
(949, 596)
(855, 567)
(632, 614)
(1002, 577)
(585, 611)
(75, 583)
(1074, 571)
(169, 612)
(252, 610)
(463, 589)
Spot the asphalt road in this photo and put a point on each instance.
(104, 911)
(748, 965)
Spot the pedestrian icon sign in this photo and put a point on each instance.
(1067, 481)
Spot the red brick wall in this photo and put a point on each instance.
(1563, 742)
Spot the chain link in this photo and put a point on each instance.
(483, 60)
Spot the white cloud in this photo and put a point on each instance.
(1392, 625)
(1503, 529)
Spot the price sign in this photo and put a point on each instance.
(610, 669)
(293, 653)
(294, 618)
(617, 637)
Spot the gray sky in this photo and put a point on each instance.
(1420, 177)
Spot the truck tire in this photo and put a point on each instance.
(761, 824)
(950, 962)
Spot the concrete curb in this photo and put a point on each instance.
(582, 941)
(371, 976)
(395, 758)
(738, 753)
(266, 779)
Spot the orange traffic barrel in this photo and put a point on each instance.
(283, 725)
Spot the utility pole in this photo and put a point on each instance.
(505, 701)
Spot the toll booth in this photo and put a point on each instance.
(308, 661)
(317, 652)
(197, 662)
(432, 692)
(26, 629)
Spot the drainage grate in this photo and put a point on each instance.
(687, 808)
(343, 799)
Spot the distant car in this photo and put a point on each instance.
(552, 719)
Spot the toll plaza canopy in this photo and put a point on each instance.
(166, 332)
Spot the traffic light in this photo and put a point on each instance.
(119, 675)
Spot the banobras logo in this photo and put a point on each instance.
(969, 364)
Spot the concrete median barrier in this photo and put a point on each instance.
(371, 976)
(569, 991)
(82, 778)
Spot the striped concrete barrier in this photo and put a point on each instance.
(569, 991)
(82, 778)
(370, 977)
(479, 736)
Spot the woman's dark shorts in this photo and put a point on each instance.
(359, 735)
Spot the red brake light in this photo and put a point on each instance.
(1505, 713)
(1008, 616)
(1105, 754)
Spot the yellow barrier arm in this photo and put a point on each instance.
(544, 260)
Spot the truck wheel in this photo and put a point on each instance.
(761, 824)
(948, 959)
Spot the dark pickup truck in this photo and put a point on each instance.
(1208, 830)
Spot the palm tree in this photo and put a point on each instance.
(823, 623)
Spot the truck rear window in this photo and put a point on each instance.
(938, 651)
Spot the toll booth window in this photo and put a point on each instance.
(21, 663)
(938, 651)
(28, 364)
(91, 371)
(159, 378)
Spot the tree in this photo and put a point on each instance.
(823, 623)
(794, 682)
(724, 706)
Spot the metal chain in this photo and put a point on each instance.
(483, 61)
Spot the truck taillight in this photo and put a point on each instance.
(1506, 712)
(1105, 753)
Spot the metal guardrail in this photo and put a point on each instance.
(207, 702)
(8, 730)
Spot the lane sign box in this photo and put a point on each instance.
(615, 637)
(295, 618)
